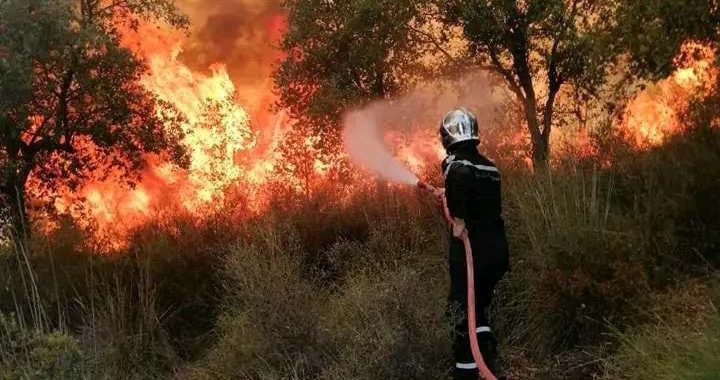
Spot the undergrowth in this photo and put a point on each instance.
(354, 287)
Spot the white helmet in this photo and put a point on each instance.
(458, 125)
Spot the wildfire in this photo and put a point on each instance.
(419, 150)
(227, 150)
(222, 147)
(654, 114)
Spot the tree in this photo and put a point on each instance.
(67, 88)
(553, 55)
(652, 31)
(341, 53)
(537, 47)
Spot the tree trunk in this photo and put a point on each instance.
(540, 129)
(540, 153)
(538, 139)
(12, 192)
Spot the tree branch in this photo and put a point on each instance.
(555, 80)
(506, 73)
(431, 39)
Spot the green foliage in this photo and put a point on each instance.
(339, 54)
(653, 31)
(389, 324)
(28, 354)
(71, 95)
(374, 317)
(676, 213)
(329, 288)
(538, 48)
(592, 247)
(585, 263)
(579, 264)
(556, 39)
(681, 343)
(135, 315)
(552, 55)
(271, 311)
(343, 53)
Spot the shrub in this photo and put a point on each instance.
(577, 265)
(329, 285)
(388, 325)
(590, 246)
(357, 309)
(682, 342)
(123, 332)
(681, 220)
(270, 310)
(29, 354)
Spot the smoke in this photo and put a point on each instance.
(243, 35)
(366, 131)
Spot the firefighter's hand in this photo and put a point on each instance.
(458, 228)
(439, 193)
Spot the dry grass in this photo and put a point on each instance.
(321, 288)
(682, 341)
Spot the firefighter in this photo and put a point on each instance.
(472, 191)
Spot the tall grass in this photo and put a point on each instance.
(365, 309)
(122, 317)
(29, 349)
(682, 341)
(577, 265)
(334, 284)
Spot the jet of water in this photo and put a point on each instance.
(364, 143)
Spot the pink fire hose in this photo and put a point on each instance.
(472, 320)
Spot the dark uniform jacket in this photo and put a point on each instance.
(473, 192)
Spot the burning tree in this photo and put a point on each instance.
(537, 47)
(71, 100)
(654, 31)
(343, 52)
(554, 56)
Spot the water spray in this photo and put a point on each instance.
(364, 144)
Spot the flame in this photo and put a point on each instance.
(229, 149)
(222, 147)
(419, 149)
(655, 114)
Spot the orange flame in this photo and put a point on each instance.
(217, 134)
(655, 114)
(226, 150)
